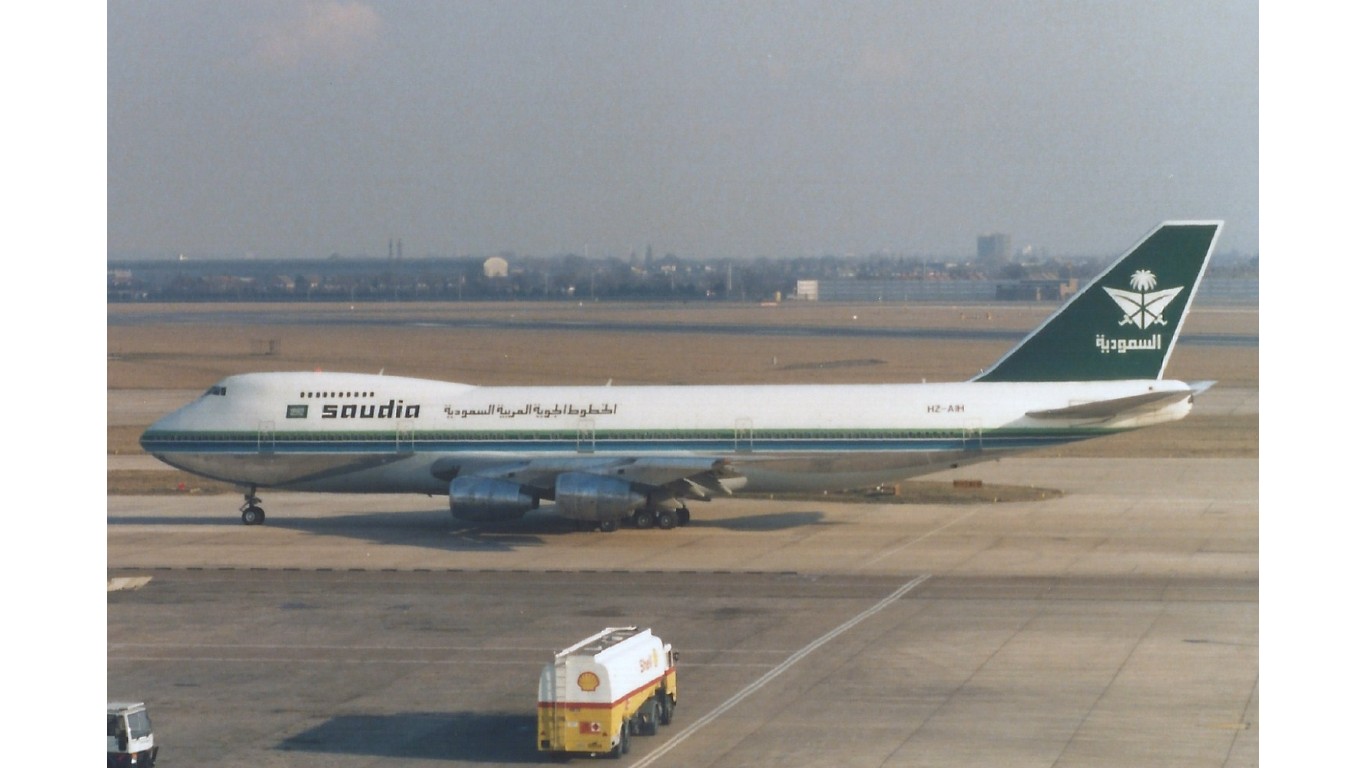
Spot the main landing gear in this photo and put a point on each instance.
(252, 514)
(664, 517)
(645, 517)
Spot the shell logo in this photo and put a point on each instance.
(589, 682)
(650, 663)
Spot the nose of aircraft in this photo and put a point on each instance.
(166, 423)
(146, 438)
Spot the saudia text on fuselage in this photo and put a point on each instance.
(391, 410)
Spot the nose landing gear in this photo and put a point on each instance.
(252, 514)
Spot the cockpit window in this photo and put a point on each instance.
(216, 390)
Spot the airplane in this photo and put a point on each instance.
(608, 455)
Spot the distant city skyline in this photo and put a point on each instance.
(307, 128)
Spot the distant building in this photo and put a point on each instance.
(496, 266)
(808, 290)
(1036, 290)
(993, 248)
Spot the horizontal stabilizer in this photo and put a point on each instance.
(1119, 406)
(1200, 387)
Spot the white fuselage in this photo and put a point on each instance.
(370, 433)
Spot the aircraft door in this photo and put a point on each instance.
(972, 436)
(587, 437)
(265, 436)
(404, 437)
(744, 435)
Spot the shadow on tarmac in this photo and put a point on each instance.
(432, 529)
(477, 737)
(777, 521)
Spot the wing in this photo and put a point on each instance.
(656, 472)
(657, 480)
(603, 490)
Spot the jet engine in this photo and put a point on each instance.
(593, 497)
(486, 500)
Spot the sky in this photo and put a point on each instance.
(304, 128)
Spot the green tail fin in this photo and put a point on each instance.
(1123, 324)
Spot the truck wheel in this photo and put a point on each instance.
(667, 715)
(649, 724)
(623, 746)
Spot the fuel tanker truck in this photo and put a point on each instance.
(598, 693)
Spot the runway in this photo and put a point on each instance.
(1116, 625)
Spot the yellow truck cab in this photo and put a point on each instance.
(598, 693)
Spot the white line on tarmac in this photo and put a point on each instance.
(768, 677)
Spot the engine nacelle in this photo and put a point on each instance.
(486, 500)
(593, 497)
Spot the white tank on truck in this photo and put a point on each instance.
(598, 693)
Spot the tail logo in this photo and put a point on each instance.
(1143, 307)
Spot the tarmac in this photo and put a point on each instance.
(1116, 624)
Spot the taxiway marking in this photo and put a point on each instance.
(772, 674)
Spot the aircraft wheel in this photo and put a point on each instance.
(608, 526)
(253, 516)
(644, 518)
(667, 519)
(684, 516)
